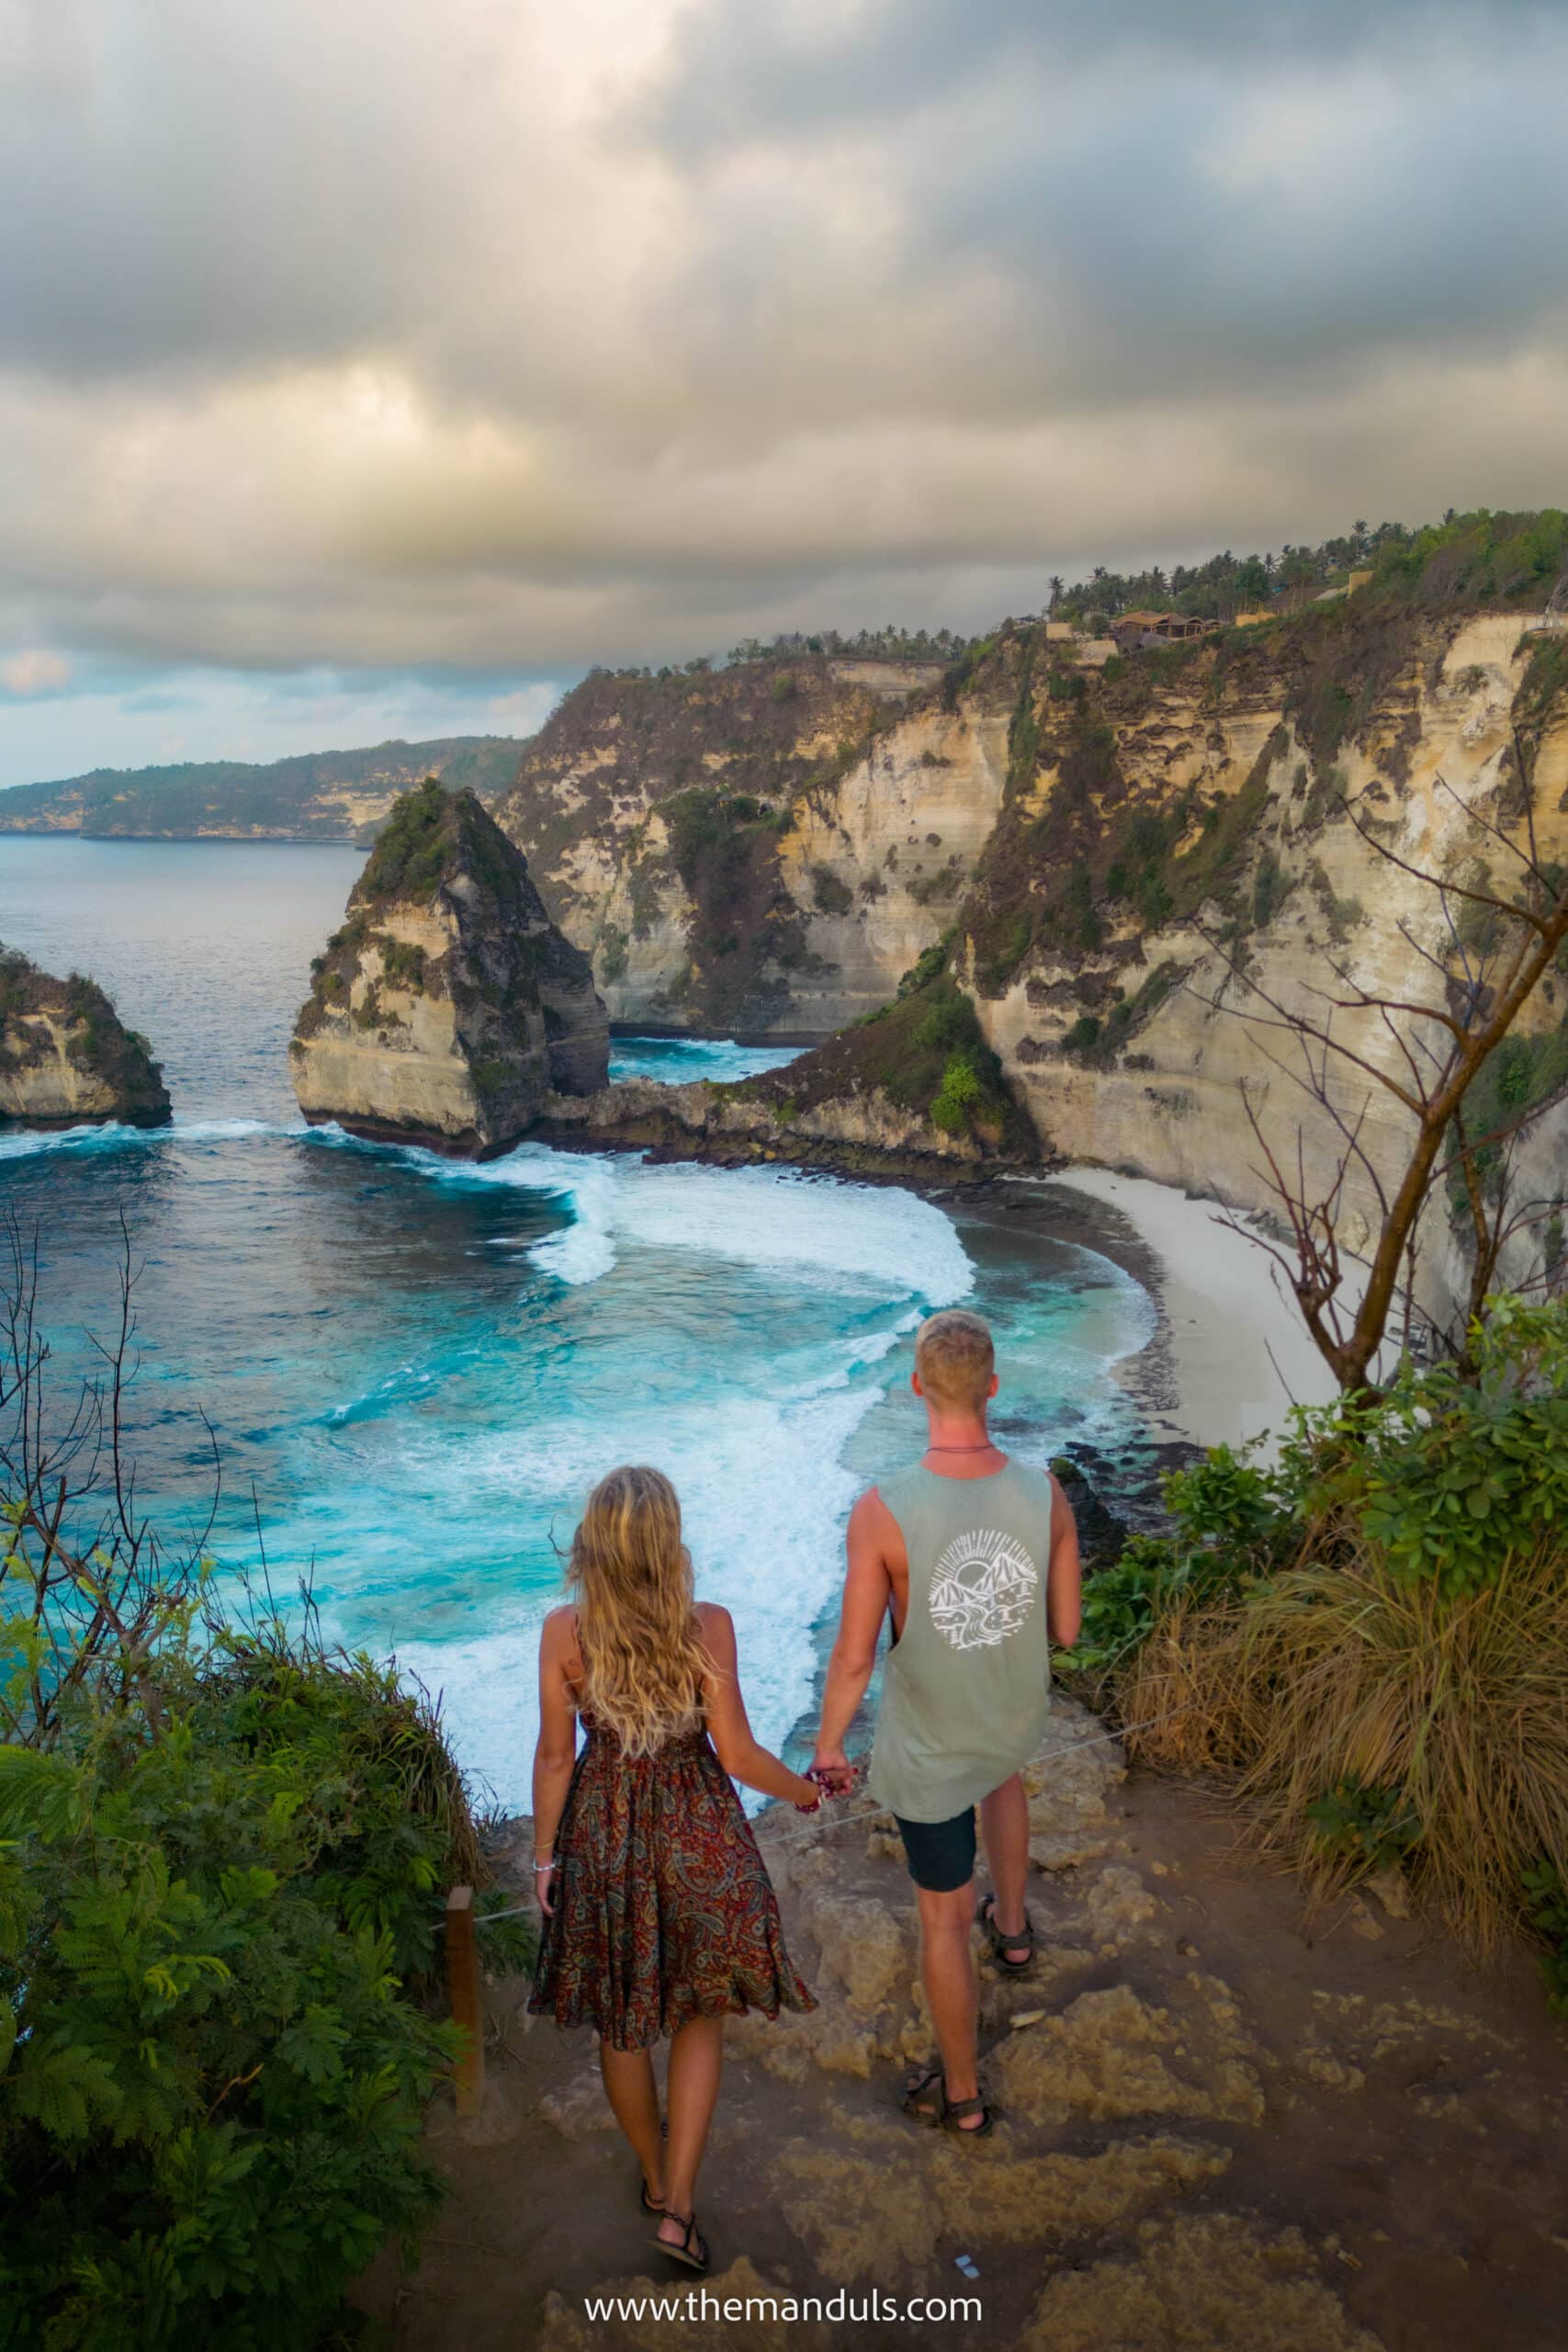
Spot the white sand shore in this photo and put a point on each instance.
(1239, 1353)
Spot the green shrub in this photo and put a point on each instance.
(414, 848)
(612, 946)
(926, 966)
(402, 963)
(1371, 1635)
(1229, 1524)
(210, 1899)
(1449, 1475)
(1374, 1828)
(962, 1088)
(831, 895)
(222, 1847)
(1545, 1908)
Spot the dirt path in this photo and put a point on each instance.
(1225, 2125)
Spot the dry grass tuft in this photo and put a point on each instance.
(1340, 1671)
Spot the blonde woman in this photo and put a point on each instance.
(659, 1917)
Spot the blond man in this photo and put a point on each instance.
(975, 1557)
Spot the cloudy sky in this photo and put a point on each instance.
(371, 366)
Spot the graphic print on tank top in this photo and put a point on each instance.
(982, 1588)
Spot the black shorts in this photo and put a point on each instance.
(940, 1854)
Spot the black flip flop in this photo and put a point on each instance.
(693, 2249)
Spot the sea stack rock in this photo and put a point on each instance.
(66, 1058)
(449, 1006)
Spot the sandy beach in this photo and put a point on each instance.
(1231, 1354)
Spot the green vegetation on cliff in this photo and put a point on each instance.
(924, 1052)
(1478, 558)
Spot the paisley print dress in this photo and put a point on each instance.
(664, 1910)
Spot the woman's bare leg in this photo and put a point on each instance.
(634, 2099)
(696, 2062)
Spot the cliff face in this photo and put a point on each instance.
(1123, 863)
(67, 1059)
(1188, 843)
(759, 849)
(1163, 876)
(449, 1006)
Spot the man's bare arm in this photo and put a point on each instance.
(1063, 1580)
(868, 1589)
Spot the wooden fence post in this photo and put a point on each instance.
(463, 1995)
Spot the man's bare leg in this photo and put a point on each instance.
(947, 1971)
(1004, 1830)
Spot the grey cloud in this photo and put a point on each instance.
(733, 74)
(503, 338)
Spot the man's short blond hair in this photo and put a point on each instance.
(955, 1357)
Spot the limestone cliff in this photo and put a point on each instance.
(449, 1006)
(1184, 842)
(1110, 857)
(762, 850)
(67, 1059)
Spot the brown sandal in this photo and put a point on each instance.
(1002, 1945)
(944, 2114)
(917, 2100)
(953, 2111)
(693, 2249)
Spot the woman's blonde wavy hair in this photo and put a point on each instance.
(644, 1665)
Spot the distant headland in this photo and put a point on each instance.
(312, 797)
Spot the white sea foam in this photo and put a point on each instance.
(232, 1130)
(26, 1144)
(111, 1136)
(763, 1493)
(778, 1217)
(775, 1217)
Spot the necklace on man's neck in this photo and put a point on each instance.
(990, 1446)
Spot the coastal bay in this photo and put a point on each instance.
(415, 1367)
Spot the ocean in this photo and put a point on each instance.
(414, 1369)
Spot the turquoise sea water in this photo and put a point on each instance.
(416, 1368)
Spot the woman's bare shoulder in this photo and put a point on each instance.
(716, 1624)
(557, 1635)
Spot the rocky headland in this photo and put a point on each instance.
(66, 1058)
(448, 1007)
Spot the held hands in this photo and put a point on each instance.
(833, 1772)
(545, 1888)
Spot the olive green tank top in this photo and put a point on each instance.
(967, 1691)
